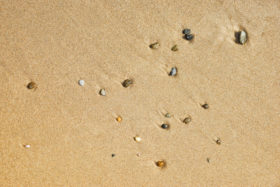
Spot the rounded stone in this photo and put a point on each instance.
(189, 36)
(165, 126)
(81, 82)
(186, 31)
(102, 92)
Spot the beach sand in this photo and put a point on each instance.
(59, 131)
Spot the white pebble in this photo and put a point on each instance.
(102, 92)
(137, 139)
(81, 82)
(243, 37)
(27, 146)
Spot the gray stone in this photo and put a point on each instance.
(173, 71)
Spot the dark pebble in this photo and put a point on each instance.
(126, 83)
(165, 126)
(186, 31)
(205, 106)
(31, 85)
(113, 155)
(189, 36)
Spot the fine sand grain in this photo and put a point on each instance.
(192, 108)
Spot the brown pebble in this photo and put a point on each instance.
(154, 45)
(160, 163)
(119, 119)
(167, 115)
(187, 120)
(31, 85)
(218, 141)
(174, 48)
(126, 83)
(205, 106)
(208, 160)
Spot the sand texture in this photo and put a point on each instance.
(58, 128)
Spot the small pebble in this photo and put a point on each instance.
(165, 126)
(31, 85)
(119, 119)
(113, 155)
(186, 31)
(205, 106)
(81, 82)
(173, 71)
(154, 45)
(167, 115)
(102, 92)
(174, 48)
(189, 36)
(160, 163)
(208, 160)
(138, 154)
(137, 138)
(187, 120)
(242, 37)
(27, 146)
(126, 83)
(218, 141)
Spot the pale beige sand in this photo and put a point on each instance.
(72, 130)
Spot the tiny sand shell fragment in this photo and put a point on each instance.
(81, 82)
(242, 37)
(126, 83)
(174, 48)
(119, 119)
(102, 92)
(154, 45)
(187, 120)
(173, 71)
(160, 163)
(137, 139)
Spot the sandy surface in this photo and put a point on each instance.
(64, 134)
